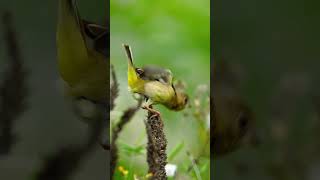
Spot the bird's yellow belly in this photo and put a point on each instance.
(158, 92)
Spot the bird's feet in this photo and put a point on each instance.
(154, 112)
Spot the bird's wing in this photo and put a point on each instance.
(155, 73)
(93, 30)
(99, 35)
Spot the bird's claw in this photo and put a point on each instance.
(155, 116)
(154, 112)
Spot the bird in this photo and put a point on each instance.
(83, 68)
(155, 84)
(99, 35)
(233, 120)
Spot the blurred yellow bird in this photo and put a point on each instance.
(233, 122)
(155, 85)
(83, 69)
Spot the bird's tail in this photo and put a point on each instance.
(70, 28)
(129, 54)
(72, 48)
(133, 78)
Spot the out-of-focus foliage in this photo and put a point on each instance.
(276, 43)
(174, 35)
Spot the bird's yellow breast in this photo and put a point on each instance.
(159, 92)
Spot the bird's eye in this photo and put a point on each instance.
(243, 121)
(186, 100)
(139, 71)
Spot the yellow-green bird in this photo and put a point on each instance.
(83, 69)
(233, 122)
(156, 84)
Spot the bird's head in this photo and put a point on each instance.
(181, 101)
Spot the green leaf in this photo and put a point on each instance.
(175, 151)
(204, 167)
(132, 150)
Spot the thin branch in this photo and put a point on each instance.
(194, 166)
(197, 158)
(13, 90)
(114, 89)
(126, 117)
(156, 147)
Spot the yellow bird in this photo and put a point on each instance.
(83, 69)
(155, 84)
(233, 122)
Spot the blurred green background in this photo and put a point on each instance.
(48, 123)
(277, 45)
(171, 34)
